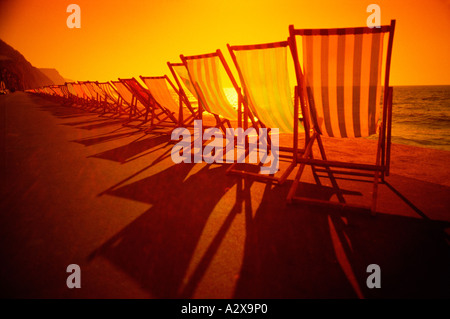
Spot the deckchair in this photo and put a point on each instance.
(136, 108)
(57, 90)
(341, 75)
(181, 76)
(66, 96)
(82, 95)
(102, 99)
(48, 91)
(157, 115)
(263, 73)
(73, 93)
(57, 93)
(204, 76)
(168, 96)
(206, 73)
(86, 95)
(65, 92)
(93, 96)
(120, 107)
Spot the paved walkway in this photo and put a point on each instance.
(77, 188)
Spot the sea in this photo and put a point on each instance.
(421, 116)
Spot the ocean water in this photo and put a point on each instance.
(421, 116)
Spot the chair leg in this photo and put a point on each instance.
(373, 208)
(307, 154)
(330, 173)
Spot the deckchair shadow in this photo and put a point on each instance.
(157, 247)
(104, 138)
(323, 252)
(103, 124)
(127, 152)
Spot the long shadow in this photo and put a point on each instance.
(124, 153)
(63, 112)
(101, 125)
(59, 110)
(299, 251)
(156, 248)
(104, 138)
(85, 122)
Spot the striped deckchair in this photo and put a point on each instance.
(263, 71)
(73, 93)
(341, 73)
(66, 97)
(181, 76)
(94, 95)
(102, 99)
(120, 107)
(136, 108)
(57, 90)
(205, 78)
(157, 115)
(65, 92)
(90, 98)
(167, 95)
(48, 91)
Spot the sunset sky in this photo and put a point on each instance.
(137, 37)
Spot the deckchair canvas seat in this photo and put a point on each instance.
(341, 74)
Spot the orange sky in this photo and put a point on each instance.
(137, 37)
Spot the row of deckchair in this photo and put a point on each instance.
(337, 94)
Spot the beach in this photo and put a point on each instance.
(82, 189)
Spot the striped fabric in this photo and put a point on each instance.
(65, 91)
(48, 91)
(98, 90)
(92, 91)
(205, 75)
(161, 93)
(126, 95)
(57, 90)
(87, 92)
(71, 89)
(143, 97)
(183, 74)
(265, 78)
(79, 90)
(109, 92)
(123, 91)
(343, 81)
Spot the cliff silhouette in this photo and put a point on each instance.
(17, 73)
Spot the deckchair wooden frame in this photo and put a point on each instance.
(116, 101)
(66, 96)
(90, 100)
(158, 114)
(104, 102)
(134, 113)
(244, 117)
(382, 163)
(220, 123)
(109, 105)
(130, 102)
(180, 89)
(182, 122)
(95, 99)
(74, 94)
(295, 149)
(197, 111)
